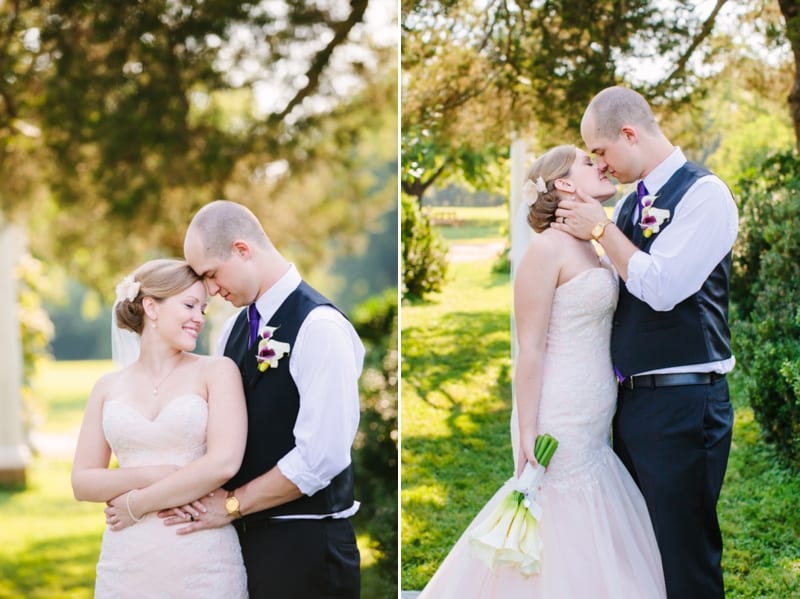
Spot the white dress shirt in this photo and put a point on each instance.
(325, 363)
(702, 231)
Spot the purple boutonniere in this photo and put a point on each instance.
(270, 351)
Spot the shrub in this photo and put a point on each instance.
(765, 290)
(375, 457)
(423, 252)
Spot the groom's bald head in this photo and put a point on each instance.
(615, 107)
(219, 224)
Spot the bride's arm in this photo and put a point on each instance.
(225, 441)
(534, 287)
(92, 479)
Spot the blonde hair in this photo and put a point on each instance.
(221, 222)
(553, 164)
(158, 279)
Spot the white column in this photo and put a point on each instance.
(520, 234)
(14, 452)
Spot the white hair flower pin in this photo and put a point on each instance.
(128, 289)
(531, 190)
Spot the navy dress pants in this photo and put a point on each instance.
(675, 443)
(300, 559)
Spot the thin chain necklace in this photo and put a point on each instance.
(164, 378)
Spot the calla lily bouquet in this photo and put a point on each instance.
(510, 535)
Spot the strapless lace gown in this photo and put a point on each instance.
(148, 559)
(598, 541)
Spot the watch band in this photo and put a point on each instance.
(596, 235)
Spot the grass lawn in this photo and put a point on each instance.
(49, 543)
(473, 224)
(456, 450)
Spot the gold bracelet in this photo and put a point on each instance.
(128, 505)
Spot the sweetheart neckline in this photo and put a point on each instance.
(582, 273)
(163, 408)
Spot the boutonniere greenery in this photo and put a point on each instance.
(270, 350)
(652, 218)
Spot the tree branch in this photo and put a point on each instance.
(680, 66)
(340, 32)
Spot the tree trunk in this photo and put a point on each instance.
(791, 14)
(417, 187)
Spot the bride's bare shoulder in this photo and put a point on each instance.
(548, 243)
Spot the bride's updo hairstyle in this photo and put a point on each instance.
(553, 164)
(158, 279)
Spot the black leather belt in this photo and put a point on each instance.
(671, 380)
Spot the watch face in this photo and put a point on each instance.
(231, 504)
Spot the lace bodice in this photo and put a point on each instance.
(177, 435)
(579, 390)
(149, 559)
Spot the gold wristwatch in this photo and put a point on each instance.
(600, 228)
(232, 505)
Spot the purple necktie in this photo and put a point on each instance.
(252, 314)
(641, 191)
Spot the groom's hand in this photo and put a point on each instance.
(578, 217)
(208, 512)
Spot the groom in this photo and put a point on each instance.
(671, 243)
(293, 496)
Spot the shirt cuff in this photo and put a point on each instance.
(637, 266)
(293, 467)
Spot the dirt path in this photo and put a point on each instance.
(471, 252)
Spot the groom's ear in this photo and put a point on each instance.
(241, 248)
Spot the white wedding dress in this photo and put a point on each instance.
(597, 538)
(148, 559)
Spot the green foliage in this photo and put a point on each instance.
(36, 330)
(765, 289)
(119, 120)
(477, 73)
(424, 256)
(376, 444)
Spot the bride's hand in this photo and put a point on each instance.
(118, 517)
(525, 456)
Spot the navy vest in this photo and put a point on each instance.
(272, 405)
(694, 331)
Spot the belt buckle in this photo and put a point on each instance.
(628, 382)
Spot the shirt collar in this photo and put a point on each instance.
(272, 298)
(656, 178)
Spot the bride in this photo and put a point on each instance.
(597, 539)
(177, 424)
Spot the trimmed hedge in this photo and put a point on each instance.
(423, 252)
(765, 292)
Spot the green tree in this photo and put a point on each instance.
(475, 74)
(135, 114)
